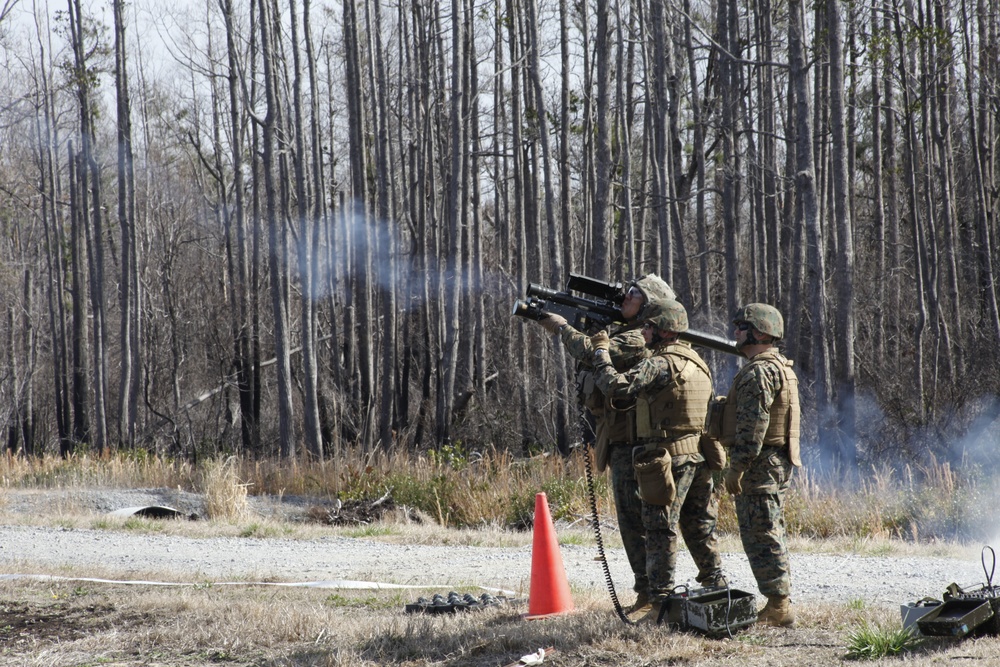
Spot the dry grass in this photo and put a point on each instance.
(70, 624)
(124, 470)
(460, 489)
(225, 493)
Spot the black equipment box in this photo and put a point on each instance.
(987, 592)
(713, 611)
(956, 618)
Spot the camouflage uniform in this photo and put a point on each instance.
(614, 436)
(695, 508)
(614, 450)
(767, 473)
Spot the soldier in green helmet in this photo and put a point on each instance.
(613, 418)
(671, 390)
(760, 427)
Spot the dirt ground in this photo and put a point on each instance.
(65, 623)
(197, 621)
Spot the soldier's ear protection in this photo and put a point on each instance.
(657, 338)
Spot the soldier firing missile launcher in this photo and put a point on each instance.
(601, 307)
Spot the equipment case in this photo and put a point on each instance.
(956, 617)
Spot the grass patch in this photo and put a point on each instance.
(261, 529)
(373, 602)
(373, 530)
(575, 538)
(225, 492)
(457, 488)
(140, 525)
(872, 641)
(51, 623)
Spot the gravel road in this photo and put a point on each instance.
(128, 555)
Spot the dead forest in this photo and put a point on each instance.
(290, 227)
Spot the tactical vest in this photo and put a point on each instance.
(783, 428)
(676, 413)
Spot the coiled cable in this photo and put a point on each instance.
(989, 575)
(596, 523)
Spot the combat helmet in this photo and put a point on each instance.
(667, 315)
(654, 288)
(762, 317)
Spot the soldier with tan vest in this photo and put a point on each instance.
(672, 390)
(760, 427)
(615, 419)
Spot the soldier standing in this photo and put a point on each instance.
(672, 390)
(760, 426)
(613, 418)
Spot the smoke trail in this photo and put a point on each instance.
(394, 261)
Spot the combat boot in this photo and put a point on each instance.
(641, 604)
(656, 614)
(777, 612)
(717, 580)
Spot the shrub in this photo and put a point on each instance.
(870, 641)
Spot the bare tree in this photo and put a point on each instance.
(49, 190)
(129, 286)
(237, 256)
(602, 154)
(276, 231)
(91, 219)
(914, 213)
(305, 252)
(453, 258)
(805, 191)
(727, 26)
(981, 123)
(845, 322)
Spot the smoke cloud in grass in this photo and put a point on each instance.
(981, 443)
(938, 481)
(979, 450)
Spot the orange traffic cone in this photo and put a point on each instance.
(549, 588)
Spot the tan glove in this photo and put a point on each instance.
(732, 480)
(600, 341)
(553, 322)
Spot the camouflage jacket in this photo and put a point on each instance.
(627, 347)
(754, 390)
(648, 377)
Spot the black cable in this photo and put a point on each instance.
(729, 608)
(989, 575)
(600, 542)
(674, 596)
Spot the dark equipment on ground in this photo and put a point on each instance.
(974, 612)
(716, 612)
(956, 618)
(599, 308)
(453, 602)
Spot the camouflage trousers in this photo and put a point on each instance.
(761, 517)
(629, 510)
(693, 513)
